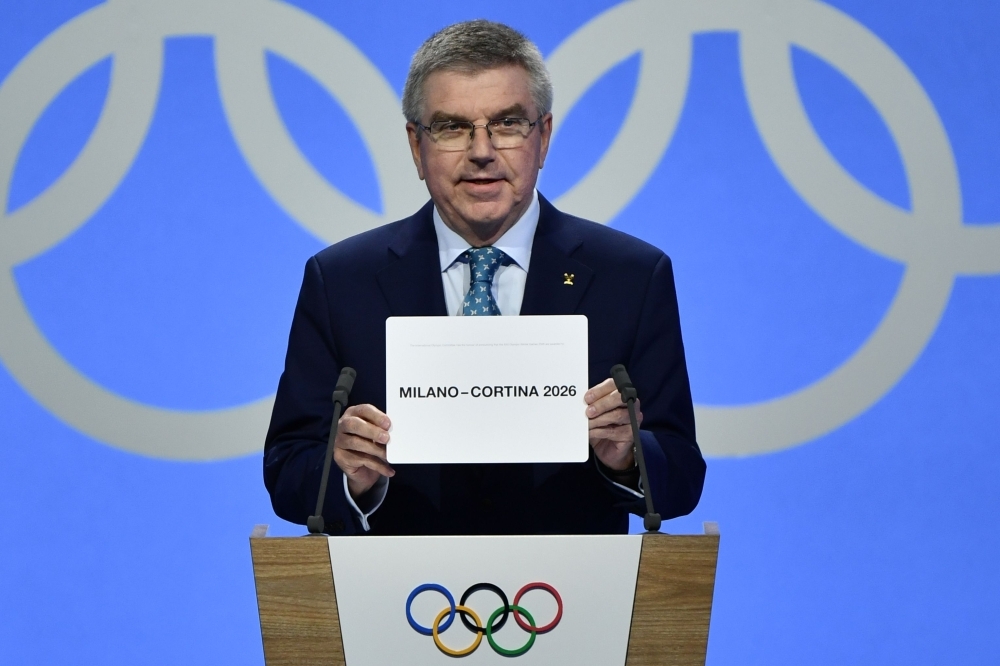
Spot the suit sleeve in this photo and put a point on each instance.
(657, 367)
(295, 446)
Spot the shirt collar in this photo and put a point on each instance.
(515, 243)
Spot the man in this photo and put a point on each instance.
(477, 103)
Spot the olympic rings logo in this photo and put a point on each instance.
(473, 623)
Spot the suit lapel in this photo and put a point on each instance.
(556, 282)
(411, 283)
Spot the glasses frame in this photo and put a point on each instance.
(486, 126)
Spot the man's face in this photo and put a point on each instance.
(480, 192)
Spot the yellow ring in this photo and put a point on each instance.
(444, 648)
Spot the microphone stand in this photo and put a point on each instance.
(651, 521)
(316, 523)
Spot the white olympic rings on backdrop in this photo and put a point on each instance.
(931, 239)
(133, 32)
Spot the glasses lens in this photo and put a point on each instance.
(451, 134)
(509, 132)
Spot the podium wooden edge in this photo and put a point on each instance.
(674, 589)
(296, 602)
(300, 625)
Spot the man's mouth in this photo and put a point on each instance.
(481, 181)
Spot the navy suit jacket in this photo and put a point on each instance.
(624, 286)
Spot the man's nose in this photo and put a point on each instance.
(481, 150)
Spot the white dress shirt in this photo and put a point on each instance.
(508, 282)
(508, 292)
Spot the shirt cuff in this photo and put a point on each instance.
(630, 491)
(372, 500)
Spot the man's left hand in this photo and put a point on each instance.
(610, 430)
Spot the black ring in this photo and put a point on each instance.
(495, 590)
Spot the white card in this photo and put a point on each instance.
(486, 389)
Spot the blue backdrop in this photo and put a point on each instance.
(868, 542)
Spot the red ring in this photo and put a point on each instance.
(559, 605)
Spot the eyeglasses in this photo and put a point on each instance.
(456, 135)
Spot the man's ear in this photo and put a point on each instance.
(413, 136)
(544, 133)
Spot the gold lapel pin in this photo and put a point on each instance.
(568, 278)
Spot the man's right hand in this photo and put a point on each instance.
(359, 449)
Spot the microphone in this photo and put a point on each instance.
(316, 523)
(651, 521)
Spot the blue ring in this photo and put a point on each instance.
(426, 587)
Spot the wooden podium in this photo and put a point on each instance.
(300, 623)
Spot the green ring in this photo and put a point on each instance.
(499, 650)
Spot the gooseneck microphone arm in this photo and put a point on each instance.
(316, 523)
(651, 521)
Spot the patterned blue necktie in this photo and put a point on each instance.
(483, 265)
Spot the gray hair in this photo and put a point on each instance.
(472, 47)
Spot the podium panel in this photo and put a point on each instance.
(610, 599)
